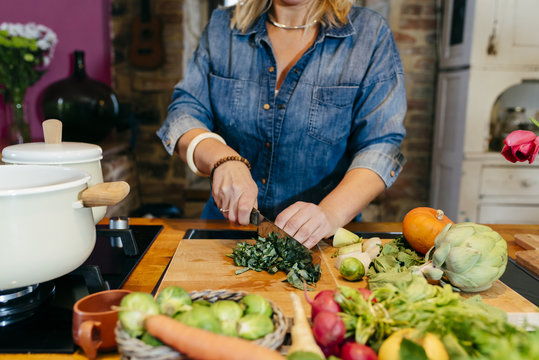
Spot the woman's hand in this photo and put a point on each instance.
(234, 191)
(307, 223)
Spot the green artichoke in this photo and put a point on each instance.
(471, 256)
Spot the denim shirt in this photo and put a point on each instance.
(340, 107)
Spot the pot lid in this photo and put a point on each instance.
(34, 179)
(42, 153)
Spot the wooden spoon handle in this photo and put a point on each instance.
(105, 194)
(52, 131)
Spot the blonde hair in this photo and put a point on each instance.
(328, 12)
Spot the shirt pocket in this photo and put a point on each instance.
(330, 116)
(231, 99)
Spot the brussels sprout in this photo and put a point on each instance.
(134, 308)
(202, 302)
(200, 317)
(254, 326)
(227, 310)
(229, 327)
(173, 299)
(256, 304)
(150, 340)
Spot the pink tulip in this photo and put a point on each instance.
(521, 145)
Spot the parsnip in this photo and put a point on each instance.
(303, 343)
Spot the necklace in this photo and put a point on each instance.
(286, 27)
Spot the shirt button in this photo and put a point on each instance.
(296, 71)
(268, 145)
(392, 173)
(263, 181)
(266, 106)
(280, 106)
(271, 69)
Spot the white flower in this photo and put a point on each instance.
(43, 44)
(31, 31)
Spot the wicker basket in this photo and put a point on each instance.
(134, 349)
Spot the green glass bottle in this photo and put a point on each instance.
(88, 108)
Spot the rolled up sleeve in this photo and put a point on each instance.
(378, 130)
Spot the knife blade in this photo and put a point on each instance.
(265, 226)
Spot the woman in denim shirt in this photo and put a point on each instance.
(310, 94)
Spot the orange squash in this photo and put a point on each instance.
(421, 226)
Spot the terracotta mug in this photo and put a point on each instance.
(94, 320)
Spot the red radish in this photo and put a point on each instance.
(331, 350)
(323, 301)
(366, 293)
(328, 329)
(354, 351)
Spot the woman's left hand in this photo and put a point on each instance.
(307, 223)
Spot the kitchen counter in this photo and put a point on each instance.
(151, 268)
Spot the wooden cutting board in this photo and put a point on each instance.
(529, 258)
(202, 264)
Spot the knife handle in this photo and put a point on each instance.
(254, 218)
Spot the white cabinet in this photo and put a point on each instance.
(508, 27)
(467, 181)
(495, 191)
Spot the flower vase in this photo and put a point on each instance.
(19, 129)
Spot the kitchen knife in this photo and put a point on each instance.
(265, 227)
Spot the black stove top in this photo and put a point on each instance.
(48, 329)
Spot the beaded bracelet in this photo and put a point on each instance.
(224, 160)
(232, 158)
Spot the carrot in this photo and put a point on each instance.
(303, 344)
(200, 344)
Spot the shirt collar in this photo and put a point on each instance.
(260, 31)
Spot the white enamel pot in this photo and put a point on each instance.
(46, 223)
(81, 156)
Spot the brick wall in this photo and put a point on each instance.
(165, 179)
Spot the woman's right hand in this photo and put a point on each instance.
(234, 191)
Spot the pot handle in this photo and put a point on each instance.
(52, 131)
(104, 194)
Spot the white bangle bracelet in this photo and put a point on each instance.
(191, 150)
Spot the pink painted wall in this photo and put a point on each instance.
(79, 25)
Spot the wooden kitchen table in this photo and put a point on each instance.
(148, 273)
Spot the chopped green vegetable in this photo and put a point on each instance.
(273, 254)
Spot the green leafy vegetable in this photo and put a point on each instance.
(395, 256)
(411, 351)
(469, 328)
(273, 254)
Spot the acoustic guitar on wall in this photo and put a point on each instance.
(146, 48)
